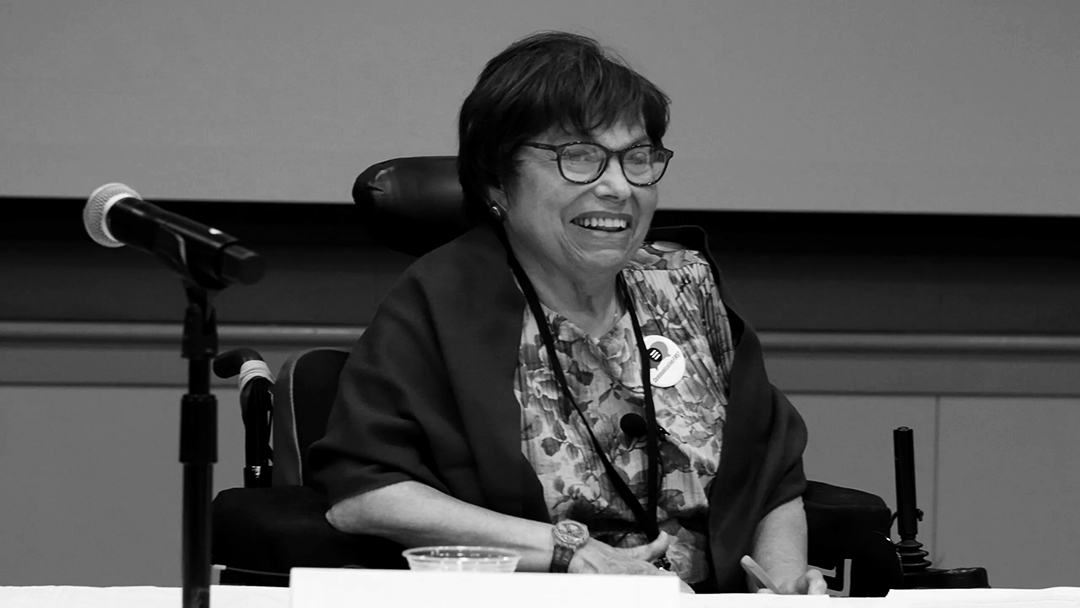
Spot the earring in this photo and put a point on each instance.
(497, 213)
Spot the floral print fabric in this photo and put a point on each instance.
(675, 296)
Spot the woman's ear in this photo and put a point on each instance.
(496, 204)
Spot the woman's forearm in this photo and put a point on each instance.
(415, 514)
(780, 543)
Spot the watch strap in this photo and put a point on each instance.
(560, 558)
(568, 536)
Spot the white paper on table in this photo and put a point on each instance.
(336, 588)
(62, 596)
(757, 600)
(1052, 597)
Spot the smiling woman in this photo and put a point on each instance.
(484, 403)
(573, 239)
(564, 105)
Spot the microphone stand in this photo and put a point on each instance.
(198, 443)
(913, 558)
(912, 555)
(216, 261)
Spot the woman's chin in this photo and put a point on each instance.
(603, 260)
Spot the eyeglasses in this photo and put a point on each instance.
(583, 162)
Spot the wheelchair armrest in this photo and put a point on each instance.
(276, 528)
(848, 538)
(832, 508)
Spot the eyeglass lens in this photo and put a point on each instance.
(641, 165)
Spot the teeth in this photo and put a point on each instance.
(596, 222)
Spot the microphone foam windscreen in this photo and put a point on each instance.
(633, 425)
(97, 206)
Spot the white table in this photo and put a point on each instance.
(221, 596)
(278, 597)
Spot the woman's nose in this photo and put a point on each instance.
(612, 183)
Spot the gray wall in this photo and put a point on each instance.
(873, 105)
(821, 105)
(91, 378)
(89, 439)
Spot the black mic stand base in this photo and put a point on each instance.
(953, 578)
(912, 555)
(919, 575)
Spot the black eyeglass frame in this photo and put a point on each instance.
(621, 154)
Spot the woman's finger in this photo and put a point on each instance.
(815, 582)
(652, 551)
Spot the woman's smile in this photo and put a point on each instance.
(604, 222)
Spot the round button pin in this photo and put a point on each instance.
(667, 364)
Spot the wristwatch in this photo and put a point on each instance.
(569, 536)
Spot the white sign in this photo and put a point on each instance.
(341, 587)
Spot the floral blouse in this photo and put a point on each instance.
(675, 296)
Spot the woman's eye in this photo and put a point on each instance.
(577, 157)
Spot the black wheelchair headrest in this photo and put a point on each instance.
(412, 205)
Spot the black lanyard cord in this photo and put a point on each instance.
(645, 517)
(652, 428)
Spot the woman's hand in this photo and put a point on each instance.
(596, 557)
(810, 583)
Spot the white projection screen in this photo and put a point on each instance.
(959, 106)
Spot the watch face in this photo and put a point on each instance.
(571, 533)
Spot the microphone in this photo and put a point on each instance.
(635, 427)
(256, 410)
(245, 362)
(115, 215)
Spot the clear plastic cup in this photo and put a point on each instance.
(462, 559)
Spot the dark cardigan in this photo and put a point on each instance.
(427, 396)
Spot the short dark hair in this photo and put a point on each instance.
(546, 80)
